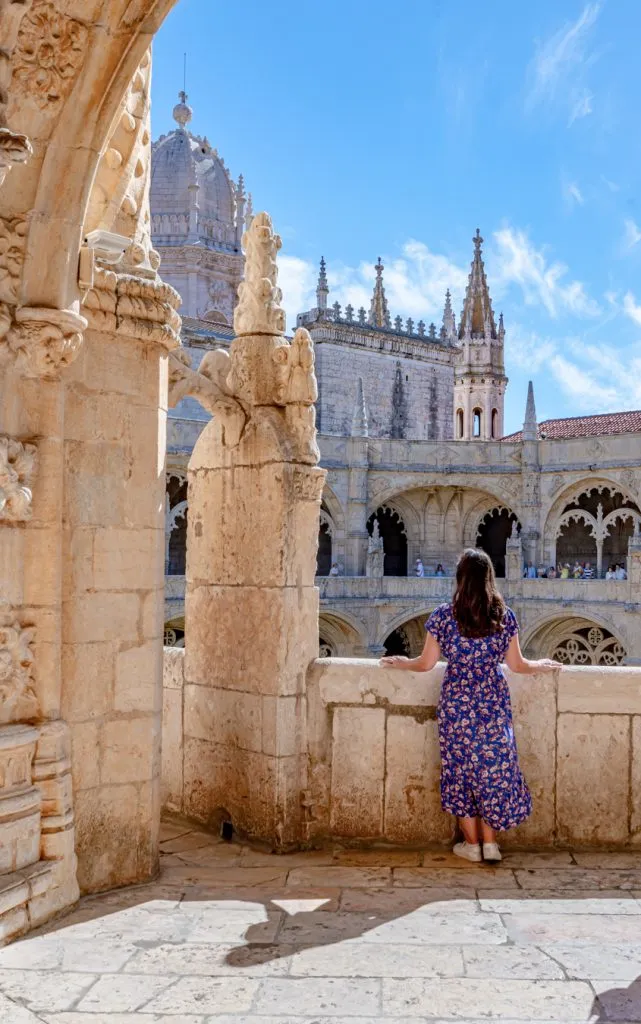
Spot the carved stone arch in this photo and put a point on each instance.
(175, 514)
(545, 627)
(344, 635)
(335, 509)
(401, 618)
(76, 135)
(582, 485)
(394, 533)
(576, 640)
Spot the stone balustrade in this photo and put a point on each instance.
(372, 772)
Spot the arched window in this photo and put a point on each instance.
(495, 422)
(324, 554)
(392, 529)
(476, 423)
(459, 423)
(493, 532)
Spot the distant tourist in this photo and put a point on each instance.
(577, 571)
(565, 571)
(530, 571)
(588, 572)
(440, 571)
(334, 571)
(419, 568)
(620, 573)
(481, 781)
(611, 573)
(551, 573)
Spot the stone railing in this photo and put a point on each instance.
(373, 758)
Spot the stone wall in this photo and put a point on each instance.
(418, 391)
(373, 759)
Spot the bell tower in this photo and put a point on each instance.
(479, 372)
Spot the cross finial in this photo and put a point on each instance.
(478, 241)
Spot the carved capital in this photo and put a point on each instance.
(44, 341)
(18, 701)
(17, 469)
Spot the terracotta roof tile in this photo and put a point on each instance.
(587, 426)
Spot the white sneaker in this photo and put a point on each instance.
(468, 851)
(492, 853)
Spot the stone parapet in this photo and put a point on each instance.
(373, 761)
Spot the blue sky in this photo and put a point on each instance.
(370, 129)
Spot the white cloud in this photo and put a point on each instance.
(632, 234)
(581, 106)
(519, 262)
(612, 185)
(592, 378)
(559, 61)
(415, 283)
(631, 309)
(297, 280)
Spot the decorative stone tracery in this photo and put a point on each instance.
(18, 701)
(589, 646)
(17, 468)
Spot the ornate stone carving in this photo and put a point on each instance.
(136, 306)
(15, 148)
(18, 700)
(209, 386)
(17, 467)
(297, 390)
(375, 553)
(259, 297)
(49, 51)
(12, 242)
(43, 341)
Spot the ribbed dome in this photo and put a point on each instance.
(192, 195)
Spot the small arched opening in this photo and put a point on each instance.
(492, 536)
(459, 424)
(495, 423)
(392, 530)
(407, 639)
(324, 553)
(477, 422)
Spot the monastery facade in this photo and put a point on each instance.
(411, 433)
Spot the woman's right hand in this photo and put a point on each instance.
(546, 665)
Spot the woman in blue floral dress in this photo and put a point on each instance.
(481, 781)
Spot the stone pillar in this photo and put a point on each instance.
(356, 510)
(251, 608)
(513, 558)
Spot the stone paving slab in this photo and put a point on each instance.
(231, 935)
(522, 1000)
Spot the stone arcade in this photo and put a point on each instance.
(260, 734)
(411, 434)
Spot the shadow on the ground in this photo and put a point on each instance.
(618, 1004)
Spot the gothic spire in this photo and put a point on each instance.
(359, 419)
(530, 428)
(449, 321)
(322, 289)
(477, 318)
(379, 310)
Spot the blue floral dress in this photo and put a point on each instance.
(480, 774)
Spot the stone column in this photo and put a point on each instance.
(251, 609)
(513, 558)
(356, 510)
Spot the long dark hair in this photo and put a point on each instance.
(478, 607)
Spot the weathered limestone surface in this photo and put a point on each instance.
(251, 604)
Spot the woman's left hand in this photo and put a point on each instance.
(393, 661)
